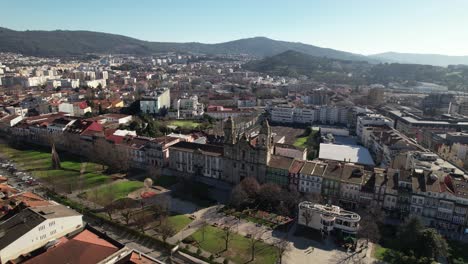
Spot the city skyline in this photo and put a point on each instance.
(362, 27)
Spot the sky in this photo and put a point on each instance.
(359, 26)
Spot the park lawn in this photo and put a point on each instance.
(116, 190)
(189, 124)
(39, 164)
(178, 222)
(239, 247)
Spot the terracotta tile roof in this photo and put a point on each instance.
(31, 199)
(280, 162)
(140, 259)
(86, 247)
(296, 166)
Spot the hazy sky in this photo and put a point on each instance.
(360, 26)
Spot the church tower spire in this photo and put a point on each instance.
(229, 131)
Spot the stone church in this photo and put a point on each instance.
(240, 156)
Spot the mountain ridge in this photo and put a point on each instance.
(420, 58)
(79, 42)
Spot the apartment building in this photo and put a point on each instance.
(154, 101)
(324, 114)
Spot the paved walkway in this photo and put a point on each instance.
(302, 250)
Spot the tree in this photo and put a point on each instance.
(81, 179)
(107, 200)
(226, 235)
(166, 230)
(414, 238)
(368, 229)
(126, 206)
(251, 186)
(369, 224)
(307, 215)
(203, 226)
(142, 219)
(159, 211)
(283, 248)
(254, 241)
(289, 201)
(268, 196)
(238, 197)
(435, 245)
(313, 197)
(55, 158)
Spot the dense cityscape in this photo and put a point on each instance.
(249, 151)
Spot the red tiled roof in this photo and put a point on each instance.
(296, 166)
(139, 259)
(84, 248)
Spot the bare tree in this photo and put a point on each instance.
(268, 195)
(368, 229)
(81, 179)
(107, 200)
(283, 247)
(313, 197)
(238, 196)
(251, 186)
(166, 230)
(369, 224)
(307, 215)
(203, 226)
(142, 219)
(126, 206)
(254, 241)
(227, 236)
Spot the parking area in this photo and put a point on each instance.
(20, 180)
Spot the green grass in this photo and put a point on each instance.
(238, 249)
(178, 222)
(379, 251)
(300, 142)
(189, 124)
(116, 191)
(39, 163)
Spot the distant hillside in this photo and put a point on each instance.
(428, 59)
(65, 43)
(294, 64)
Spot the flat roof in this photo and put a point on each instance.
(348, 153)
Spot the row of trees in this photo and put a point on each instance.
(254, 240)
(268, 197)
(133, 212)
(415, 243)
